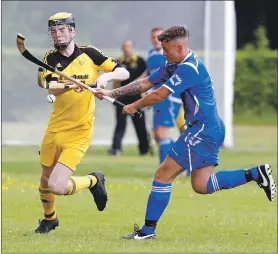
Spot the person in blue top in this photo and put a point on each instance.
(197, 148)
(166, 112)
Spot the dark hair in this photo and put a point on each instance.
(173, 32)
(155, 29)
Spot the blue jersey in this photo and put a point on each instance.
(192, 82)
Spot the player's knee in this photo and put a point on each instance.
(57, 187)
(156, 136)
(161, 177)
(200, 187)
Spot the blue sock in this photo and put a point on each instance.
(230, 179)
(165, 145)
(158, 201)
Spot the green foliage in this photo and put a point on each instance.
(256, 77)
(261, 38)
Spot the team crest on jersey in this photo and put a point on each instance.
(175, 80)
(193, 141)
(82, 62)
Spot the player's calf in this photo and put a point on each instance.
(158, 199)
(228, 179)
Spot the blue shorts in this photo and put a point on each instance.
(198, 146)
(166, 112)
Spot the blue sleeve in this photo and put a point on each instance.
(155, 77)
(185, 77)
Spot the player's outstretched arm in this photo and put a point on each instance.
(135, 87)
(150, 99)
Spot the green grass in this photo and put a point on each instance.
(269, 117)
(238, 220)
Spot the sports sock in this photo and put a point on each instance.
(48, 203)
(230, 179)
(81, 182)
(158, 201)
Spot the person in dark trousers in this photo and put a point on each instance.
(136, 66)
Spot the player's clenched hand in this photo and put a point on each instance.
(79, 89)
(99, 93)
(129, 109)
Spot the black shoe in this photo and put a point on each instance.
(266, 181)
(144, 153)
(99, 191)
(45, 226)
(138, 235)
(114, 152)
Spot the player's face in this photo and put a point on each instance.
(61, 34)
(170, 51)
(156, 43)
(128, 48)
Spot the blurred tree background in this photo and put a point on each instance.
(105, 24)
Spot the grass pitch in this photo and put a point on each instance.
(238, 220)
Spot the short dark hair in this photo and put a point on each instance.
(173, 32)
(155, 29)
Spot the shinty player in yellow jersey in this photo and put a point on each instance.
(70, 125)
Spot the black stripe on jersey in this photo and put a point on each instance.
(95, 54)
(46, 56)
(118, 65)
(49, 78)
(54, 57)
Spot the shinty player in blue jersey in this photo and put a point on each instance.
(197, 148)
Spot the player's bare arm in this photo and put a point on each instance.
(150, 99)
(135, 87)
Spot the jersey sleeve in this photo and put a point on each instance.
(184, 78)
(102, 61)
(156, 76)
(48, 75)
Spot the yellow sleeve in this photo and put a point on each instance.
(102, 61)
(108, 66)
(48, 59)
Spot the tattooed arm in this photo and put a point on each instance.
(135, 87)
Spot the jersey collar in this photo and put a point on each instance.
(187, 56)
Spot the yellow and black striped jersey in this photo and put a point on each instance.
(71, 109)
